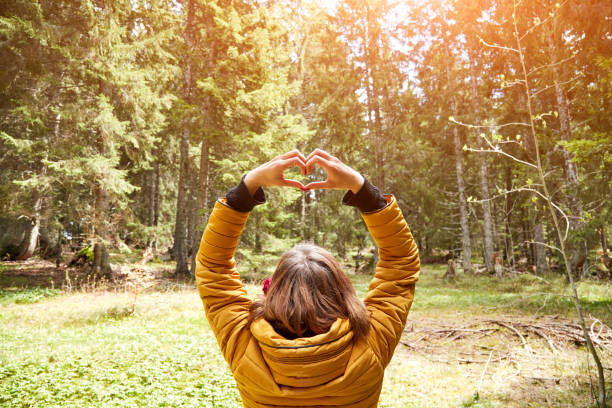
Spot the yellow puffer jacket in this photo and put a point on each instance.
(326, 370)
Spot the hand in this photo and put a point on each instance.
(271, 173)
(339, 175)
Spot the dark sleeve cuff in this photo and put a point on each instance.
(368, 199)
(241, 200)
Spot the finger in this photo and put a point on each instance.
(319, 152)
(318, 185)
(317, 160)
(293, 183)
(293, 153)
(294, 161)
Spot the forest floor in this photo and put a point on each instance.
(144, 342)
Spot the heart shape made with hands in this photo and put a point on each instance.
(337, 174)
(306, 167)
(314, 174)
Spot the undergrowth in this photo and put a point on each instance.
(31, 295)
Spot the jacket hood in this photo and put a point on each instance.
(305, 361)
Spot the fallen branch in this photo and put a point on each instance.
(553, 332)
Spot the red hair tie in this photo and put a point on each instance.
(266, 285)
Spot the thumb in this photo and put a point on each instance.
(293, 183)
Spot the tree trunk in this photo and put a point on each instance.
(499, 270)
(150, 199)
(379, 145)
(571, 174)
(570, 169)
(466, 257)
(202, 202)
(155, 201)
(484, 183)
(28, 245)
(192, 213)
(180, 229)
(303, 218)
(58, 248)
(374, 116)
(258, 243)
(101, 265)
(528, 246)
(450, 274)
(605, 258)
(156, 194)
(181, 245)
(509, 244)
(540, 249)
(317, 218)
(101, 262)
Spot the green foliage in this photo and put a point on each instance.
(23, 146)
(86, 252)
(26, 296)
(149, 376)
(92, 124)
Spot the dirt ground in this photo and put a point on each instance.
(45, 274)
(503, 360)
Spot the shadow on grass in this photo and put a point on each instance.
(44, 274)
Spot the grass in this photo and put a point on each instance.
(526, 294)
(87, 349)
(79, 350)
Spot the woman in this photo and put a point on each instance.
(310, 342)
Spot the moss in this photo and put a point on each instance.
(86, 252)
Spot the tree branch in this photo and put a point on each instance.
(533, 27)
(552, 86)
(452, 119)
(501, 47)
(499, 151)
(551, 65)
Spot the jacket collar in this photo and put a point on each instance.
(268, 337)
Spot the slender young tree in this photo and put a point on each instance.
(181, 245)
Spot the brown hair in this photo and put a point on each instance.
(308, 292)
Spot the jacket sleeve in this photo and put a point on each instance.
(392, 290)
(224, 297)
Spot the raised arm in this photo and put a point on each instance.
(392, 290)
(225, 300)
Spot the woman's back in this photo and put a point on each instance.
(327, 369)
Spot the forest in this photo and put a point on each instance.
(122, 122)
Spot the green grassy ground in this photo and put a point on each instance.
(86, 349)
(525, 294)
